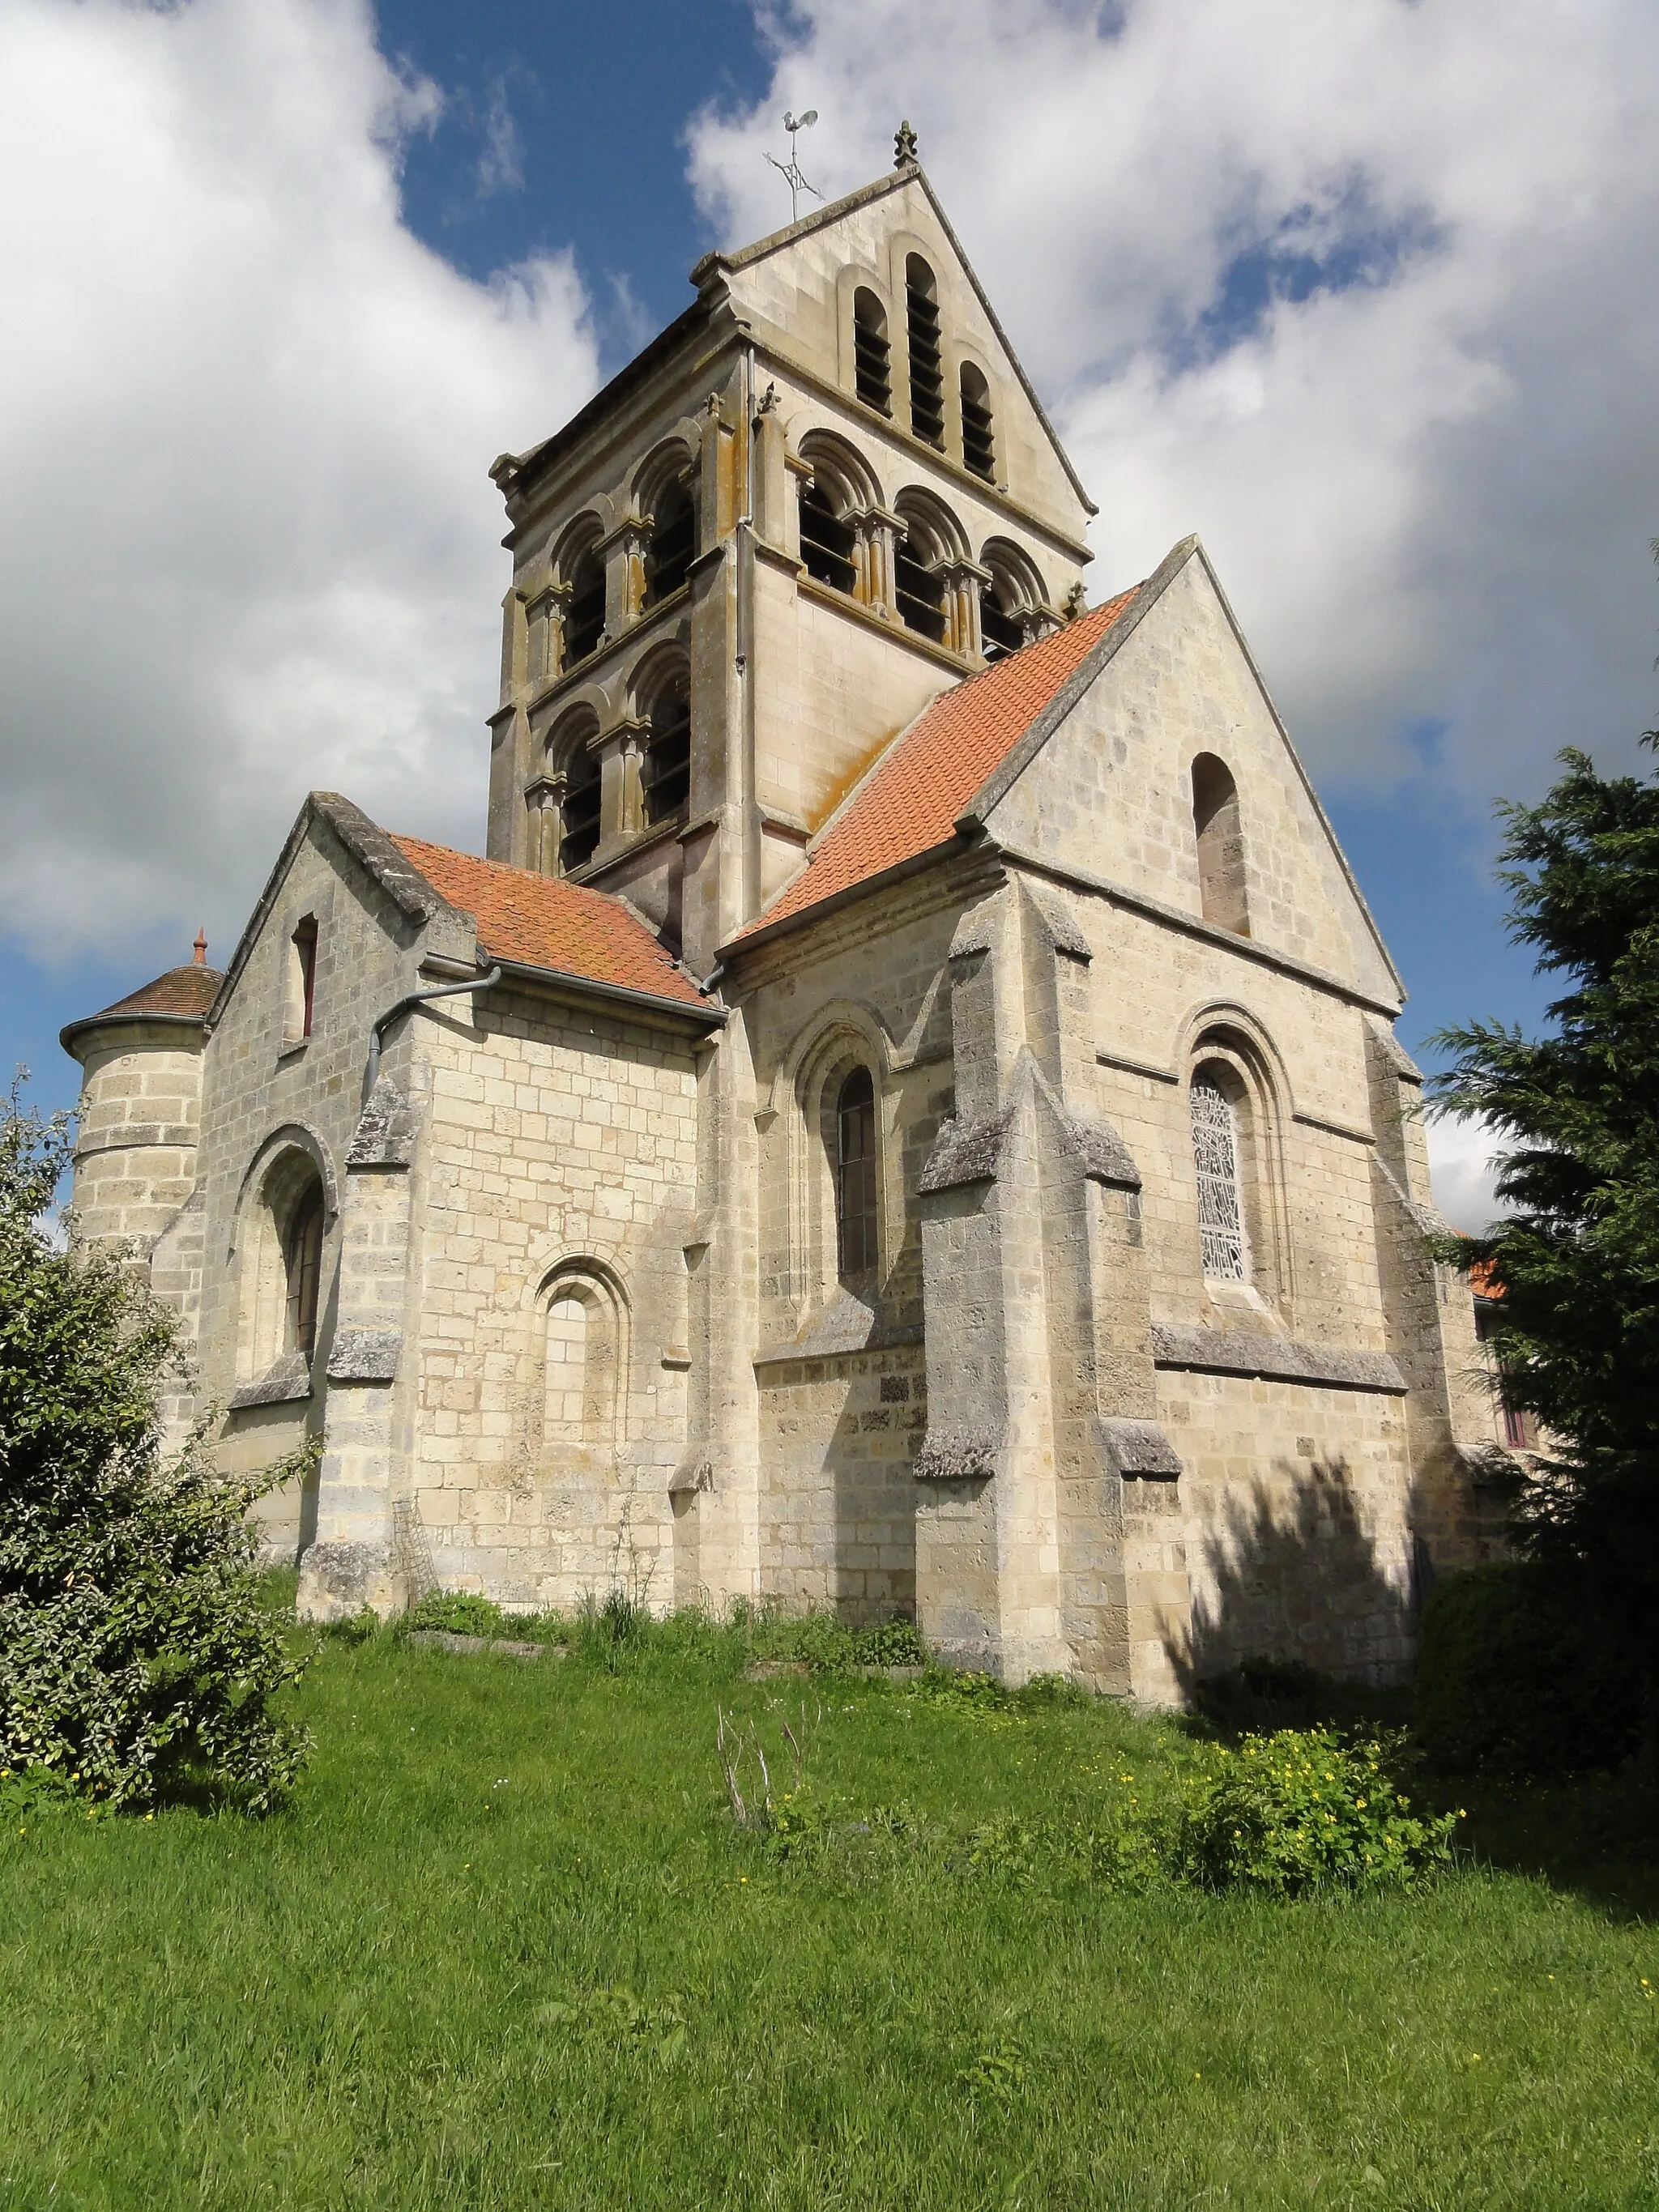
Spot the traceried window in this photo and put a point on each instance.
(1220, 1209)
(855, 1175)
(673, 545)
(826, 542)
(302, 1268)
(585, 616)
(927, 371)
(979, 451)
(872, 377)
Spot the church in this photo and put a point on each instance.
(905, 1118)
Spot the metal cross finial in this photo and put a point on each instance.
(904, 145)
(790, 170)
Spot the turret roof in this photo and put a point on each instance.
(182, 994)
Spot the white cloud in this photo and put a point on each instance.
(249, 543)
(1429, 494)
(1464, 1162)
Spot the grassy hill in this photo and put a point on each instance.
(507, 1947)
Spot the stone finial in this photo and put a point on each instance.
(904, 146)
(1076, 603)
(201, 948)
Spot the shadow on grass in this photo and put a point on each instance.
(1298, 1626)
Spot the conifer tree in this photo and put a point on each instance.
(1576, 1260)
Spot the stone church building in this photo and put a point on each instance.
(905, 1119)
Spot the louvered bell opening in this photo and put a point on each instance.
(1000, 632)
(978, 446)
(921, 596)
(581, 814)
(926, 381)
(667, 767)
(826, 542)
(584, 621)
(872, 372)
(673, 545)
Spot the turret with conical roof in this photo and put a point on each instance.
(141, 1105)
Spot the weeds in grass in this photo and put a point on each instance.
(618, 2019)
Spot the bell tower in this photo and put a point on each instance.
(823, 494)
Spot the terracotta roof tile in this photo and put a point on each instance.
(909, 803)
(186, 992)
(540, 922)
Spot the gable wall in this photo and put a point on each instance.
(1111, 791)
(367, 954)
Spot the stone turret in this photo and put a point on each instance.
(141, 1102)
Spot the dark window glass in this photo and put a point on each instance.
(926, 375)
(871, 371)
(855, 1174)
(666, 774)
(673, 544)
(826, 542)
(584, 622)
(921, 596)
(302, 1259)
(978, 446)
(1001, 633)
(582, 811)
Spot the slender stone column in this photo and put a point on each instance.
(877, 535)
(545, 797)
(546, 644)
(963, 581)
(621, 800)
(623, 555)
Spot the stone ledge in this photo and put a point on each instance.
(1140, 1448)
(445, 1639)
(1276, 1359)
(958, 1456)
(284, 1383)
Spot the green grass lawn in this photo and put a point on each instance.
(506, 1947)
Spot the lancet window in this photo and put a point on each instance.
(585, 616)
(666, 776)
(1220, 839)
(673, 544)
(302, 1268)
(979, 451)
(856, 1205)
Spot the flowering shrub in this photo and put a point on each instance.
(1299, 1809)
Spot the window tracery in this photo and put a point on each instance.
(1220, 1201)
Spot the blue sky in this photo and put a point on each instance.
(1288, 290)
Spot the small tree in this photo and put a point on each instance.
(1577, 1327)
(136, 1658)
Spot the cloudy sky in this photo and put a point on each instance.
(1360, 289)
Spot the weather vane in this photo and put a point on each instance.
(790, 170)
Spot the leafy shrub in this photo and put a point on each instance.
(895, 1644)
(1300, 1810)
(461, 1613)
(136, 1655)
(1513, 1676)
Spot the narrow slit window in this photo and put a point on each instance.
(301, 999)
(584, 621)
(666, 777)
(872, 375)
(1220, 839)
(582, 811)
(673, 545)
(826, 542)
(1215, 1152)
(303, 1265)
(979, 451)
(927, 370)
(855, 1174)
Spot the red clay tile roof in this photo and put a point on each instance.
(185, 993)
(909, 803)
(542, 923)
